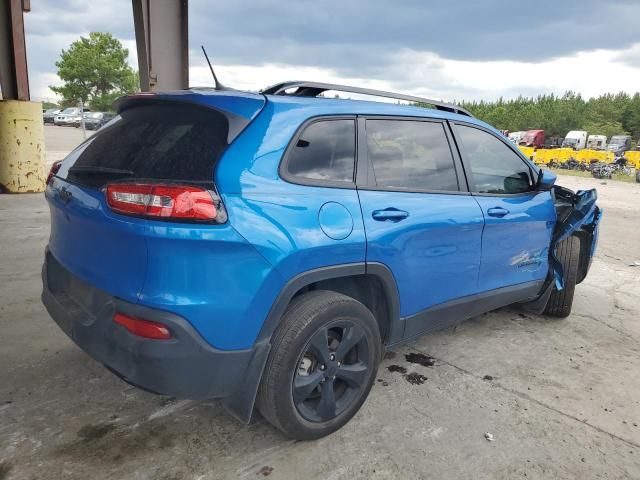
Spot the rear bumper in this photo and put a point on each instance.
(184, 367)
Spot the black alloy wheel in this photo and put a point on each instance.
(332, 371)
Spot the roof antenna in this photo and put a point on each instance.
(219, 86)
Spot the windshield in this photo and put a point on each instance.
(570, 141)
(69, 111)
(93, 115)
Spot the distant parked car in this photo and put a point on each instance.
(95, 120)
(67, 117)
(49, 114)
(76, 121)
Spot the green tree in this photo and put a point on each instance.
(609, 114)
(95, 70)
(631, 116)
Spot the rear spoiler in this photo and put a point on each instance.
(239, 108)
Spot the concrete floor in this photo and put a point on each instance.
(60, 140)
(560, 397)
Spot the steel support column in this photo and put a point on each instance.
(14, 78)
(162, 41)
(22, 154)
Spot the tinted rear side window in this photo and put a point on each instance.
(161, 142)
(411, 155)
(325, 151)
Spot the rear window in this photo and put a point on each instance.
(172, 143)
(325, 151)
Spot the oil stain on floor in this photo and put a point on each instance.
(414, 378)
(397, 369)
(420, 359)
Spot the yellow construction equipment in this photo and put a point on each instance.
(545, 156)
(633, 158)
(528, 151)
(587, 156)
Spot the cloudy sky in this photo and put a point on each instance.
(453, 49)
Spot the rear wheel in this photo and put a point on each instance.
(560, 301)
(323, 361)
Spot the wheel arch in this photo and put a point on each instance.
(339, 278)
(342, 278)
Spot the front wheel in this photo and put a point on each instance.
(561, 301)
(322, 365)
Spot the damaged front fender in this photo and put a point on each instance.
(578, 215)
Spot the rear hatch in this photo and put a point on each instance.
(166, 140)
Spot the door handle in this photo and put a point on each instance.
(497, 212)
(389, 214)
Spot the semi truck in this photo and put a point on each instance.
(576, 139)
(533, 138)
(619, 144)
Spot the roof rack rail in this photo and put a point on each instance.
(313, 89)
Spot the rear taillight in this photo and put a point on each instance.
(143, 328)
(179, 202)
(54, 169)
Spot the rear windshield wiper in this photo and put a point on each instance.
(89, 169)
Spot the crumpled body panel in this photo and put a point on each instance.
(579, 215)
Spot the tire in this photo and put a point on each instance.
(560, 301)
(287, 397)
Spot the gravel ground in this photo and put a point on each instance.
(561, 398)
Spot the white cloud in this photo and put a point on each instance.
(426, 74)
(282, 48)
(39, 86)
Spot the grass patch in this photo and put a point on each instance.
(624, 178)
(573, 173)
(620, 177)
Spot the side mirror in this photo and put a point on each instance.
(546, 180)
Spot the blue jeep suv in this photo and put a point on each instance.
(266, 248)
